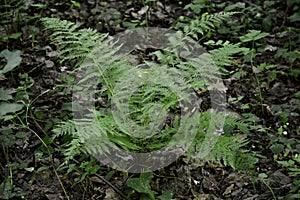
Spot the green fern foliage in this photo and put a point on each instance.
(223, 54)
(228, 149)
(232, 123)
(73, 42)
(148, 100)
(66, 131)
(207, 22)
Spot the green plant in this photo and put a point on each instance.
(228, 149)
(197, 6)
(144, 12)
(10, 110)
(285, 152)
(293, 169)
(142, 186)
(15, 106)
(204, 26)
(13, 60)
(262, 177)
(8, 190)
(85, 169)
(285, 111)
(10, 19)
(148, 4)
(252, 36)
(281, 146)
(108, 15)
(103, 129)
(75, 4)
(290, 50)
(63, 32)
(223, 55)
(236, 100)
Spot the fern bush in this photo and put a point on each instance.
(102, 69)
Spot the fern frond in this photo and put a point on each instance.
(73, 145)
(206, 67)
(72, 44)
(64, 128)
(228, 149)
(98, 59)
(72, 149)
(232, 123)
(103, 65)
(223, 55)
(199, 65)
(206, 23)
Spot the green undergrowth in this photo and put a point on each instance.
(143, 105)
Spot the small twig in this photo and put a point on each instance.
(37, 124)
(113, 187)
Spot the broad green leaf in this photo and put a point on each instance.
(166, 195)
(263, 176)
(9, 108)
(39, 114)
(13, 60)
(15, 36)
(141, 184)
(294, 18)
(277, 148)
(29, 169)
(6, 94)
(21, 134)
(7, 138)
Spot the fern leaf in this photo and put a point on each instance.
(71, 43)
(206, 22)
(223, 55)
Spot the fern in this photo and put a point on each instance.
(228, 148)
(199, 70)
(207, 22)
(232, 123)
(75, 145)
(72, 44)
(223, 55)
(154, 105)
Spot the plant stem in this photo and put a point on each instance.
(274, 197)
